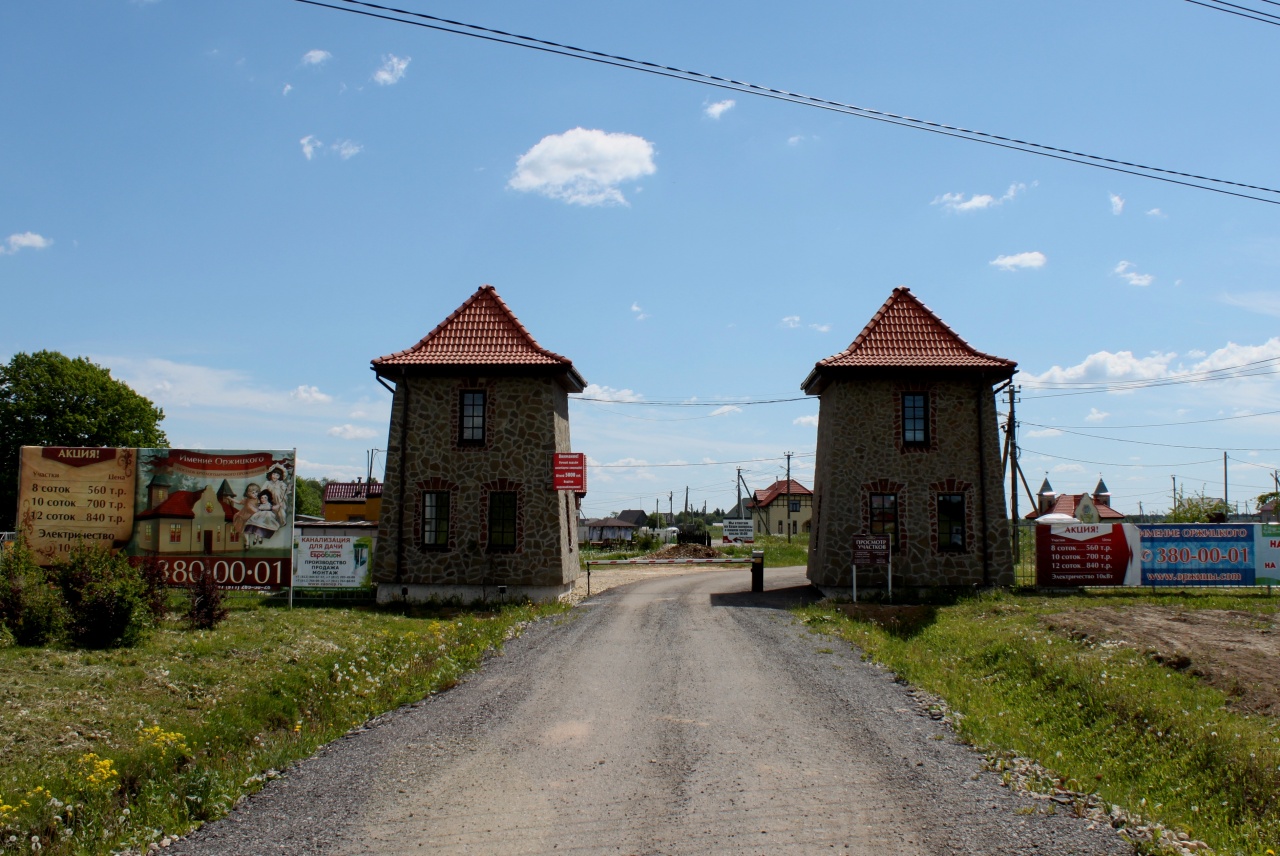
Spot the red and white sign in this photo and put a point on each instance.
(569, 471)
(1087, 554)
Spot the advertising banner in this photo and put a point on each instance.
(229, 512)
(1087, 554)
(569, 471)
(1268, 547)
(332, 561)
(1198, 554)
(738, 530)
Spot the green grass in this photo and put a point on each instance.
(778, 552)
(102, 750)
(1103, 719)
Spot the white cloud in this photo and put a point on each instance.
(1044, 432)
(639, 313)
(821, 328)
(728, 408)
(347, 149)
(288, 87)
(718, 109)
(1068, 468)
(24, 241)
(1106, 367)
(393, 68)
(1117, 204)
(583, 167)
(1265, 302)
(1017, 261)
(1156, 212)
(977, 201)
(309, 145)
(310, 395)
(1125, 271)
(608, 393)
(791, 321)
(316, 57)
(1096, 415)
(796, 140)
(811, 420)
(351, 432)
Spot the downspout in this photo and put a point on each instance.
(982, 490)
(400, 490)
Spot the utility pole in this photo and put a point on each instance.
(1225, 504)
(686, 499)
(738, 485)
(1175, 493)
(788, 454)
(1012, 437)
(671, 507)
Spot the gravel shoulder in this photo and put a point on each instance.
(678, 714)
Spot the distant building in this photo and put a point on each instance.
(352, 501)
(606, 530)
(908, 447)
(782, 504)
(479, 410)
(634, 516)
(1074, 504)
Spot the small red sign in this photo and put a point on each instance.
(569, 471)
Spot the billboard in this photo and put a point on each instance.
(738, 530)
(229, 512)
(1161, 554)
(331, 561)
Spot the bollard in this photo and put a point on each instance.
(757, 570)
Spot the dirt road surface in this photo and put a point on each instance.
(680, 714)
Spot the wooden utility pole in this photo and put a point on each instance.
(1012, 438)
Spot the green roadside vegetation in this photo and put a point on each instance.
(778, 552)
(103, 750)
(1102, 718)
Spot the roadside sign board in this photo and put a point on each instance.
(739, 530)
(870, 550)
(569, 471)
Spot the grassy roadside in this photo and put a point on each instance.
(106, 750)
(778, 552)
(1102, 719)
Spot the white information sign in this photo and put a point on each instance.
(739, 530)
(331, 561)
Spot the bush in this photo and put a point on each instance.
(207, 606)
(106, 599)
(155, 593)
(31, 607)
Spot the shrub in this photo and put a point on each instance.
(105, 597)
(31, 607)
(207, 605)
(155, 593)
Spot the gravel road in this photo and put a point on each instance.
(681, 714)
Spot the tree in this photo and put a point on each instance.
(310, 493)
(1197, 508)
(48, 399)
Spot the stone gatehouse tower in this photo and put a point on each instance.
(467, 505)
(908, 447)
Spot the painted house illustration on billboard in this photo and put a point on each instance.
(480, 410)
(187, 521)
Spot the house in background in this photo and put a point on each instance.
(609, 530)
(908, 447)
(635, 517)
(357, 500)
(1077, 505)
(783, 503)
(479, 410)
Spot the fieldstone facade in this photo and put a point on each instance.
(908, 444)
(439, 533)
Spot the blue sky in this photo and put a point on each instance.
(234, 206)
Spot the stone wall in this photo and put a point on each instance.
(526, 421)
(860, 452)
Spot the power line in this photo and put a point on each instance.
(1152, 443)
(1106, 464)
(1174, 424)
(446, 25)
(1244, 11)
(661, 403)
(700, 463)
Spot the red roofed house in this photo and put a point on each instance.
(769, 508)
(467, 503)
(1071, 505)
(188, 521)
(353, 501)
(908, 447)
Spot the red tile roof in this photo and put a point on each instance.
(906, 334)
(347, 491)
(1066, 504)
(181, 504)
(778, 488)
(483, 331)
